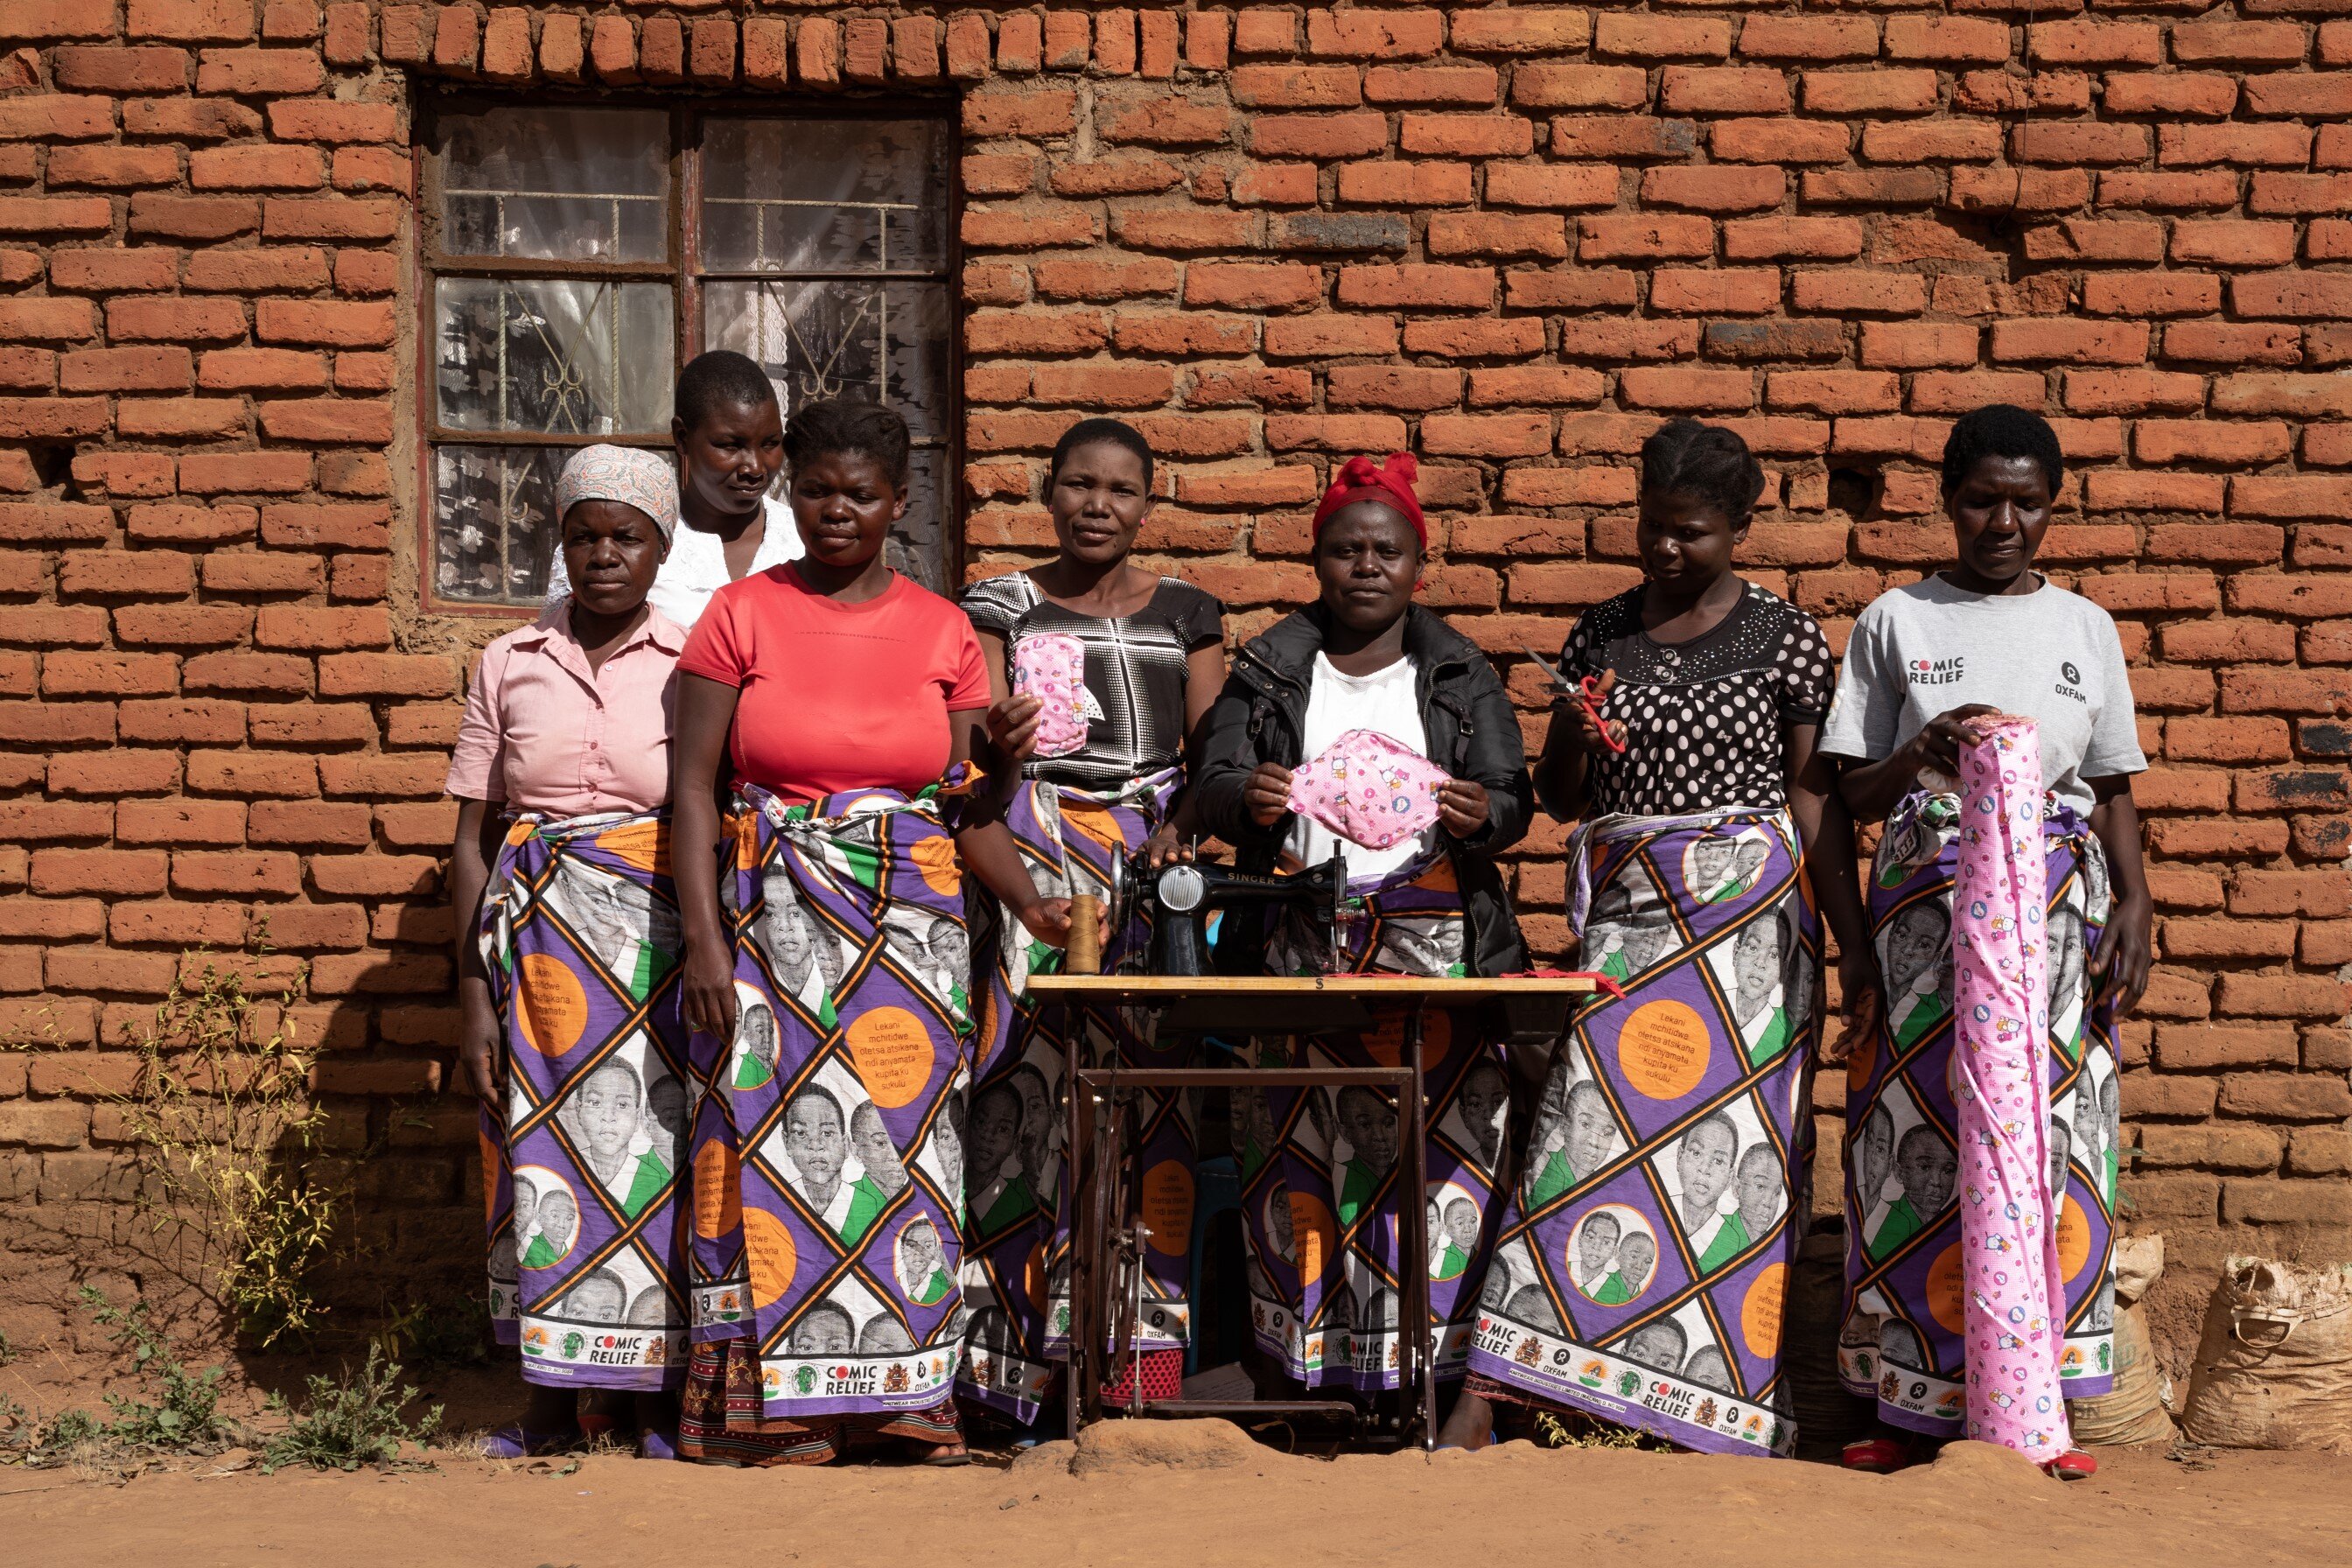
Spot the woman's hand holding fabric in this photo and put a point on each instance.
(1268, 794)
(1013, 726)
(1937, 746)
(1463, 806)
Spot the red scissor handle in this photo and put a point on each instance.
(1589, 695)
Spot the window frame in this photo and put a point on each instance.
(685, 115)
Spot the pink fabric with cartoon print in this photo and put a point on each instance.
(1052, 667)
(2009, 1272)
(1367, 788)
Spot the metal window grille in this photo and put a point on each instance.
(574, 255)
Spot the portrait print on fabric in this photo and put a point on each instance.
(578, 934)
(1901, 1341)
(1649, 1244)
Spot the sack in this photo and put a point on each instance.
(2274, 1364)
(2134, 1410)
(2139, 1262)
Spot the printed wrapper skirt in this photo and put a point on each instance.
(1906, 1330)
(1644, 1263)
(1016, 1236)
(1320, 1167)
(828, 1158)
(588, 1266)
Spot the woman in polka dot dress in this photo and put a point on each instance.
(1640, 1276)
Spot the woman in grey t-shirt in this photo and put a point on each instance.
(1986, 634)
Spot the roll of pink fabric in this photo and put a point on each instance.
(2001, 1087)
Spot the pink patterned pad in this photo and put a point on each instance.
(2014, 1305)
(1369, 789)
(1051, 665)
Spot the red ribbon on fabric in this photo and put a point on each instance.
(1600, 983)
(1360, 478)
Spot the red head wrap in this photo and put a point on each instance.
(1359, 478)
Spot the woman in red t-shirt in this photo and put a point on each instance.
(828, 977)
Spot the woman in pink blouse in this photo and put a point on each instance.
(572, 1034)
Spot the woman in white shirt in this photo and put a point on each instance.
(730, 437)
(1366, 658)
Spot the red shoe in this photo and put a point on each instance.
(1878, 1456)
(2073, 1465)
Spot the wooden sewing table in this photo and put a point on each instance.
(1237, 1007)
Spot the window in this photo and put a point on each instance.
(575, 257)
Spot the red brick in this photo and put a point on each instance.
(2173, 94)
(1688, 390)
(1511, 184)
(1431, 185)
(1293, 86)
(1632, 137)
(1375, 34)
(1662, 37)
(248, 73)
(1417, 286)
(1723, 90)
(1777, 141)
(189, 20)
(1496, 234)
(1767, 239)
(2237, 43)
(1946, 38)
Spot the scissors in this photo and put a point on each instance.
(1585, 692)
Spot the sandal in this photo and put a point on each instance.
(653, 1444)
(1877, 1455)
(2073, 1465)
(521, 1443)
(947, 1456)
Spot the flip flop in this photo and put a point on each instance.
(955, 1460)
(521, 1443)
(654, 1445)
(1877, 1455)
(2073, 1465)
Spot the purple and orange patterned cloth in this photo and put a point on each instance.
(582, 1164)
(1982, 1121)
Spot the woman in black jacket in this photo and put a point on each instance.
(1394, 734)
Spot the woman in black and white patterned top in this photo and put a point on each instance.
(1155, 646)
(1155, 660)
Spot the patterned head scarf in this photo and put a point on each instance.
(1391, 482)
(630, 475)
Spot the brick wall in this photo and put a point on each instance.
(1512, 238)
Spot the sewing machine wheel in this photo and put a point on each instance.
(1181, 888)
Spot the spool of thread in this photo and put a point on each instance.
(1084, 955)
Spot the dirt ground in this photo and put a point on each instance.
(1201, 1495)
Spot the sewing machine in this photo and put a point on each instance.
(1178, 900)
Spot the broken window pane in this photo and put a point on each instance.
(841, 196)
(563, 184)
(570, 357)
(493, 529)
